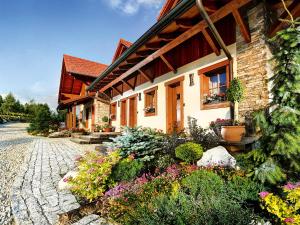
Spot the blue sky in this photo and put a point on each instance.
(34, 34)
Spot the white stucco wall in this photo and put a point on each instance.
(191, 95)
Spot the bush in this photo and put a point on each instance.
(127, 169)
(189, 152)
(172, 141)
(94, 172)
(40, 123)
(206, 137)
(143, 143)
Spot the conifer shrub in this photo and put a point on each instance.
(189, 152)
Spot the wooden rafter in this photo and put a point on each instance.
(125, 67)
(135, 81)
(168, 36)
(211, 42)
(168, 64)
(185, 23)
(154, 45)
(129, 85)
(218, 15)
(242, 25)
(145, 75)
(134, 60)
(294, 9)
(117, 90)
(144, 52)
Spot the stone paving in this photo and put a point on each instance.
(34, 196)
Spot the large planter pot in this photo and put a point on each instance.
(108, 129)
(233, 133)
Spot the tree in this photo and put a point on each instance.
(41, 120)
(1, 102)
(278, 157)
(9, 104)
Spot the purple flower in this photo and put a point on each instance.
(66, 179)
(289, 186)
(289, 220)
(263, 194)
(117, 191)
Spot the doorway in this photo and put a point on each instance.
(123, 119)
(133, 111)
(174, 100)
(87, 116)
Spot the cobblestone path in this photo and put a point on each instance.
(30, 168)
(35, 198)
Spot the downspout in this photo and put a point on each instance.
(220, 41)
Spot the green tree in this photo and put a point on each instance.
(41, 119)
(9, 104)
(1, 102)
(278, 157)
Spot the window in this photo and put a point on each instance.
(214, 83)
(113, 111)
(150, 102)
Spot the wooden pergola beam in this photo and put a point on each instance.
(211, 42)
(168, 64)
(219, 14)
(145, 75)
(242, 25)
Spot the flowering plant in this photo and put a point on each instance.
(149, 109)
(286, 210)
(94, 172)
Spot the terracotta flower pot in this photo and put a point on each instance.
(233, 133)
(108, 129)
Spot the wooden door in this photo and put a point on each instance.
(133, 111)
(87, 115)
(175, 115)
(123, 110)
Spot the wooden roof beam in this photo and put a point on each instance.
(211, 42)
(149, 78)
(154, 45)
(134, 60)
(294, 9)
(242, 25)
(117, 90)
(168, 36)
(129, 85)
(219, 14)
(125, 67)
(185, 23)
(144, 52)
(168, 64)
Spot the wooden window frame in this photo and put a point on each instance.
(202, 72)
(155, 101)
(114, 104)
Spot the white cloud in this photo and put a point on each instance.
(131, 7)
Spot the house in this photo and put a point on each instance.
(180, 67)
(83, 110)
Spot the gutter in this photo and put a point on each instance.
(178, 10)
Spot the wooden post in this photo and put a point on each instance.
(74, 116)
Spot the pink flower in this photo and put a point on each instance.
(66, 179)
(78, 158)
(263, 194)
(289, 220)
(91, 170)
(100, 161)
(289, 186)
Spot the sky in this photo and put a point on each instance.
(34, 35)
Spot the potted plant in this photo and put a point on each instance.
(106, 127)
(235, 131)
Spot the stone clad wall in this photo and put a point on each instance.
(252, 63)
(101, 110)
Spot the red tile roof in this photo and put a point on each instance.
(83, 67)
(169, 4)
(122, 46)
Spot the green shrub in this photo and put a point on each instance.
(189, 152)
(143, 143)
(127, 169)
(94, 173)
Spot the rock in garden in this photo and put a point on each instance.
(60, 134)
(63, 183)
(217, 156)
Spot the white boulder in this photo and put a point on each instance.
(63, 183)
(217, 156)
